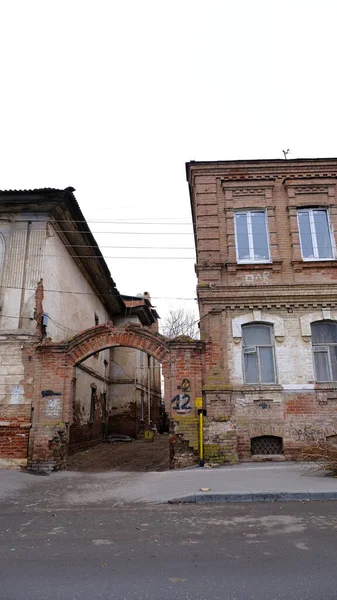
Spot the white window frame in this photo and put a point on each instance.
(256, 350)
(251, 259)
(313, 233)
(324, 348)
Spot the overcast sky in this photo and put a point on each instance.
(113, 97)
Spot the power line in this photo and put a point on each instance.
(132, 247)
(79, 232)
(97, 221)
(109, 257)
(120, 222)
(33, 289)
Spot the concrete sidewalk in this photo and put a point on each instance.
(261, 482)
(238, 483)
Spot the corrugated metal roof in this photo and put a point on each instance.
(38, 190)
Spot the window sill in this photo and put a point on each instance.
(313, 264)
(259, 387)
(325, 385)
(252, 266)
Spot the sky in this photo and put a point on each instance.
(113, 98)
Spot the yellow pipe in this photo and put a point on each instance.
(201, 439)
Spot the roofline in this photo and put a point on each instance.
(147, 305)
(257, 161)
(59, 200)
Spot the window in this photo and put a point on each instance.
(258, 354)
(315, 234)
(266, 444)
(251, 236)
(324, 345)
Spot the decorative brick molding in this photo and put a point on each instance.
(319, 315)
(258, 430)
(257, 316)
(106, 336)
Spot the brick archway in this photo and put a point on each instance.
(53, 374)
(106, 335)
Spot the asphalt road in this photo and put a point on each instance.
(164, 552)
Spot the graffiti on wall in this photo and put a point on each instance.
(257, 278)
(182, 400)
(53, 406)
(308, 434)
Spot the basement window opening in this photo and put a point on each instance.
(266, 444)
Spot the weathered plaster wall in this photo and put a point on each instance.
(15, 406)
(288, 347)
(89, 422)
(32, 252)
(128, 404)
(69, 312)
(128, 399)
(25, 237)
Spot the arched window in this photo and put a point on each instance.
(258, 353)
(324, 345)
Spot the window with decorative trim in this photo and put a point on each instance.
(258, 353)
(251, 236)
(315, 234)
(324, 346)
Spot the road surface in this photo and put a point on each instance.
(260, 551)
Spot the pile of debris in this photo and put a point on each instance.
(115, 438)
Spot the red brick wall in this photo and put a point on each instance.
(14, 441)
(285, 287)
(54, 420)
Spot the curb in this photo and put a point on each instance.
(253, 497)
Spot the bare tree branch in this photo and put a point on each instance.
(180, 322)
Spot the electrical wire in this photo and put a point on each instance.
(97, 221)
(33, 289)
(79, 232)
(132, 247)
(108, 257)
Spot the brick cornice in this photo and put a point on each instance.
(269, 296)
(263, 170)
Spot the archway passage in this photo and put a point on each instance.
(104, 336)
(56, 364)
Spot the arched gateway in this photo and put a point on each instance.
(51, 368)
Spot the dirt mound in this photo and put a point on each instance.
(139, 455)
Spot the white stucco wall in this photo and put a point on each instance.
(69, 312)
(85, 381)
(130, 364)
(21, 269)
(11, 376)
(293, 352)
(40, 254)
(30, 250)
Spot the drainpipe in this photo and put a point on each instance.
(149, 389)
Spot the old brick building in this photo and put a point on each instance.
(55, 288)
(267, 291)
